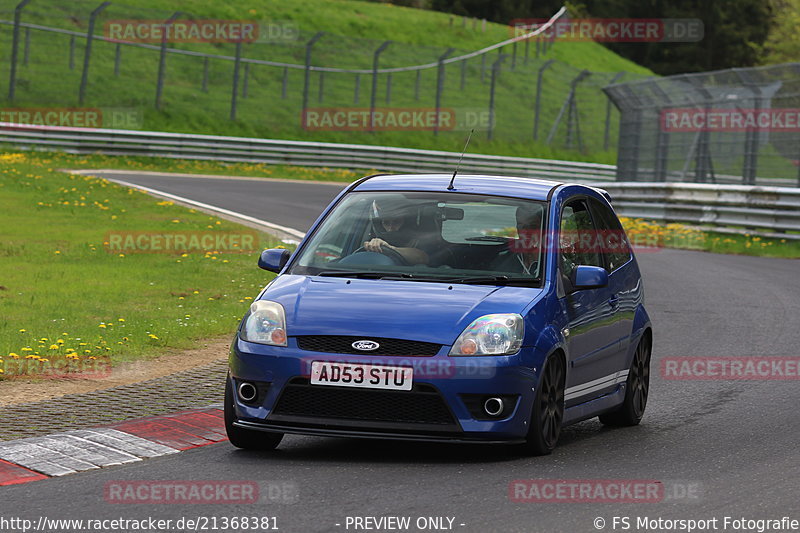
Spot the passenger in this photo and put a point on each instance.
(522, 255)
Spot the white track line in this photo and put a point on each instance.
(275, 229)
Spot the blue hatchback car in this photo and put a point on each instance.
(476, 309)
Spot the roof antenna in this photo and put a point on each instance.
(469, 137)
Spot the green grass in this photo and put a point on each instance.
(61, 290)
(651, 236)
(418, 37)
(62, 160)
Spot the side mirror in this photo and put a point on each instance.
(589, 277)
(274, 259)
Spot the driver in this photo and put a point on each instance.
(391, 228)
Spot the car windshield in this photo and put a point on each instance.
(428, 236)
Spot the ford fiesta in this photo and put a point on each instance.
(422, 307)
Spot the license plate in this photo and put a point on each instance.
(361, 375)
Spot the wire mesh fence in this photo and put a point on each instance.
(286, 81)
(729, 126)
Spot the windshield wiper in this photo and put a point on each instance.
(499, 280)
(353, 274)
(489, 238)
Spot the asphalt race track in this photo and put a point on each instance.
(721, 448)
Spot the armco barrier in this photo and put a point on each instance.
(270, 151)
(770, 211)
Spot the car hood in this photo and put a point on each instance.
(423, 311)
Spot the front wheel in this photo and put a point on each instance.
(631, 411)
(246, 439)
(548, 409)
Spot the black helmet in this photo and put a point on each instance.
(392, 207)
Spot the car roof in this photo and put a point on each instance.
(513, 186)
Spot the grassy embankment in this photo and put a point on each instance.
(417, 36)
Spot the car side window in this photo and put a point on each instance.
(615, 245)
(578, 242)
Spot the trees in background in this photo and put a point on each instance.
(735, 30)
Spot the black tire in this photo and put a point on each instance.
(631, 411)
(246, 439)
(548, 409)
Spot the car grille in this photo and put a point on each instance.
(421, 405)
(344, 344)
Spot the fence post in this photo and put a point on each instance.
(357, 89)
(538, 103)
(285, 82)
(483, 67)
(752, 134)
(117, 58)
(235, 92)
(495, 72)
(704, 166)
(569, 105)
(514, 55)
(375, 57)
(307, 75)
(12, 78)
(162, 59)
(463, 74)
(321, 87)
(527, 49)
(205, 75)
(538, 46)
(246, 82)
(88, 52)
(416, 85)
(27, 54)
(662, 137)
(388, 88)
(72, 52)
(606, 133)
(440, 86)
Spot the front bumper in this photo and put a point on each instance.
(440, 407)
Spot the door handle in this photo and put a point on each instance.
(614, 300)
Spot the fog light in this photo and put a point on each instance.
(247, 392)
(493, 406)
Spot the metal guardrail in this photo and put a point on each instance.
(279, 152)
(768, 211)
(765, 211)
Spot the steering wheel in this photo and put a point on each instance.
(391, 253)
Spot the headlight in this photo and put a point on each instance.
(499, 334)
(265, 324)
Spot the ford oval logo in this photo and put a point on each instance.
(366, 346)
